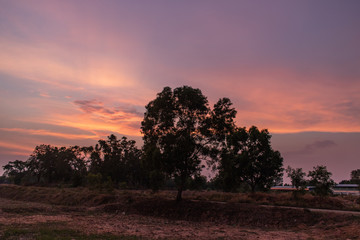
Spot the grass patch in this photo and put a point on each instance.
(50, 231)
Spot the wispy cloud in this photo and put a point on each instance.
(114, 114)
(313, 147)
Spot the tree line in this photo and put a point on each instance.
(115, 160)
(182, 135)
(319, 178)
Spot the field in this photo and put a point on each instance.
(80, 213)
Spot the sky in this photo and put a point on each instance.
(75, 71)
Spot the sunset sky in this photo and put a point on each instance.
(75, 71)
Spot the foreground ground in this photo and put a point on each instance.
(130, 215)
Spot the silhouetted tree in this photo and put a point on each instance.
(15, 170)
(57, 165)
(219, 124)
(297, 177)
(355, 176)
(320, 177)
(118, 159)
(42, 162)
(75, 157)
(173, 141)
(249, 158)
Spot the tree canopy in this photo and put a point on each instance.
(297, 177)
(117, 159)
(320, 177)
(173, 125)
(355, 176)
(249, 158)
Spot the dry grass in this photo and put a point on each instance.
(278, 199)
(87, 198)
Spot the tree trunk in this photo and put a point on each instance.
(179, 194)
(253, 186)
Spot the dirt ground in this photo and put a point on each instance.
(90, 220)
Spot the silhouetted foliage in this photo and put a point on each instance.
(181, 134)
(172, 128)
(297, 177)
(179, 131)
(51, 164)
(249, 158)
(219, 124)
(355, 176)
(114, 160)
(15, 171)
(320, 178)
(118, 159)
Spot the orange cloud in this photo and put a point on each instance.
(16, 147)
(49, 133)
(16, 153)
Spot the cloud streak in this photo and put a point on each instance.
(43, 132)
(313, 147)
(15, 146)
(114, 114)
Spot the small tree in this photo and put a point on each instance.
(355, 176)
(320, 178)
(297, 179)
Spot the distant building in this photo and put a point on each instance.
(339, 189)
(346, 189)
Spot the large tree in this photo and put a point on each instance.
(249, 158)
(173, 128)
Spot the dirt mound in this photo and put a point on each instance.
(224, 213)
(58, 196)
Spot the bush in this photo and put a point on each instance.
(94, 181)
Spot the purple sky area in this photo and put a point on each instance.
(75, 71)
